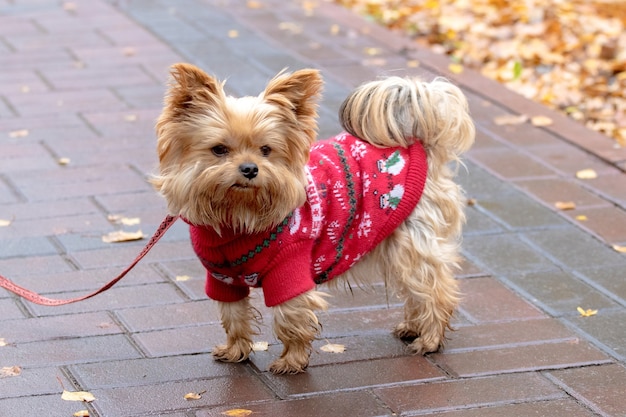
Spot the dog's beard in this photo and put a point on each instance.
(216, 196)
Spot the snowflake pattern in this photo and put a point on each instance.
(365, 227)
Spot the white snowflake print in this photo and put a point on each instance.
(365, 180)
(317, 265)
(365, 227)
(333, 231)
(356, 259)
(295, 221)
(358, 150)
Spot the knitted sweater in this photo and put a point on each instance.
(357, 194)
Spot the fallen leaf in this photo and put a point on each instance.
(126, 221)
(130, 118)
(69, 6)
(83, 396)
(413, 63)
(63, 161)
(587, 313)
(565, 205)
(540, 121)
(5, 223)
(334, 29)
(620, 249)
(371, 51)
(233, 34)
(455, 68)
(25, 89)
(290, 27)
(3, 342)
(9, 371)
(586, 174)
(471, 202)
(81, 413)
(260, 346)
(333, 348)
(581, 218)
(183, 278)
(193, 396)
(22, 133)
(237, 412)
(252, 4)
(129, 51)
(122, 236)
(510, 119)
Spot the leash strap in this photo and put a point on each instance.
(33, 297)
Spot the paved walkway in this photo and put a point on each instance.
(84, 80)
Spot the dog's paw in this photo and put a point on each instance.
(288, 366)
(237, 352)
(404, 331)
(421, 346)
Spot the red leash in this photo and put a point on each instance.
(33, 297)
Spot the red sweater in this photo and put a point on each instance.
(357, 194)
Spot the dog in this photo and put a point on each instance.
(269, 206)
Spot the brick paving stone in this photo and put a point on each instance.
(34, 265)
(609, 278)
(608, 223)
(601, 387)
(509, 165)
(9, 309)
(50, 103)
(38, 405)
(551, 190)
(168, 316)
(348, 376)
(362, 404)
(534, 357)
(65, 352)
(26, 246)
(34, 382)
(548, 408)
(559, 293)
(608, 328)
(140, 372)
(469, 393)
(487, 300)
(180, 340)
(133, 401)
(52, 328)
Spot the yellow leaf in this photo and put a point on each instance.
(81, 413)
(581, 218)
(333, 348)
(510, 119)
(620, 249)
(252, 4)
(371, 51)
(565, 205)
(193, 396)
(455, 68)
(126, 221)
(586, 174)
(3, 342)
(237, 412)
(334, 29)
(233, 34)
(9, 371)
(5, 223)
(77, 396)
(587, 313)
(22, 133)
(130, 118)
(63, 161)
(121, 236)
(260, 346)
(540, 121)
(413, 63)
(183, 278)
(129, 51)
(25, 89)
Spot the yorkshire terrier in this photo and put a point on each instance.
(269, 206)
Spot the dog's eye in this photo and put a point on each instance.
(266, 150)
(219, 150)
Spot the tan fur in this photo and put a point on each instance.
(417, 261)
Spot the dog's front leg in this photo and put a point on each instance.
(237, 319)
(296, 326)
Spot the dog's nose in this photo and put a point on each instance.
(249, 170)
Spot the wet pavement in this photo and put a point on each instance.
(81, 84)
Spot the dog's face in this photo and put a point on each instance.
(236, 162)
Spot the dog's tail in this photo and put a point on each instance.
(397, 111)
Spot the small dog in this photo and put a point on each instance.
(270, 207)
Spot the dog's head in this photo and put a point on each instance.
(236, 162)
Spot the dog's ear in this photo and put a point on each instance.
(191, 87)
(298, 91)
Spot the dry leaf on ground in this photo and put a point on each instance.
(333, 348)
(193, 396)
(81, 413)
(565, 205)
(22, 133)
(620, 249)
(122, 236)
(540, 121)
(3, 342)
(586, 174)
(260, 346)
(587, 313)
(83, 396)
(510, 119)
(9, 371)
(237, 412)
(182, 278)
(5, 223)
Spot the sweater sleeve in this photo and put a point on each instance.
(221, 291)
(290, 274)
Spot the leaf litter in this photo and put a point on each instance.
(568, 55)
